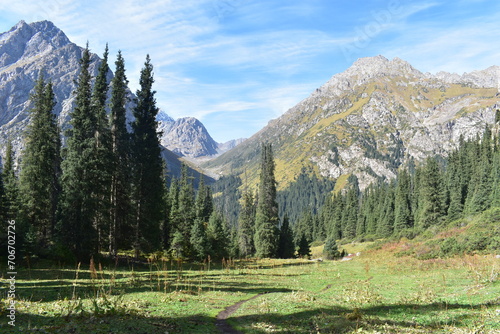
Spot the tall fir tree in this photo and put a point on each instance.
(246, 225)
(203, 203)
(41, 167)
(266, 219)
(78, 203)
(148, 170)
(403, 217)
(495, 177)
(199, 240)
(431, 194)
(11, 185)
(186, 210)
(120, 206)
(350, 214)
(286, 247)
(480, 190)
(218, 236)
(102, 155)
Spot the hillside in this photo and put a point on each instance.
(370, 119)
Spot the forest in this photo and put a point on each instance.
(104, 190)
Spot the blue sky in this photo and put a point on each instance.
(236, 64)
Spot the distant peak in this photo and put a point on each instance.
(20, 24)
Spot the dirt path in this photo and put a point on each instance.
(221, 322)
(326, 288)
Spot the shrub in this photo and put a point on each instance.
(331, 249)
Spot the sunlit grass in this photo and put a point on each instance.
(374, 292)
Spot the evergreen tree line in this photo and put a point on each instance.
(439, 190)
(105, 189)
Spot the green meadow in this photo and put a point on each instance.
(378, 291)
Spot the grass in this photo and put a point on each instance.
(376, 292)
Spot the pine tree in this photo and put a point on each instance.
(304, 249)
(246, 223)
(304, 227)
(186, 209)
(266, 220)
(148, 171)
(102, 155)
(286, 247)
(41, 167)
(203, 203)
(331, 249)
(403, 217)
(386, 219)
(479, 200)
(199, 240)
(350, 214)
(10, 201)
(120, 210)
(455, 186)
(430, 198)
(495, 177)
(11, 185)
(78, 200)
(218, 236)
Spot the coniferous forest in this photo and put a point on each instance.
(104, 190)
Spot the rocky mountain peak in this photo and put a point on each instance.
(372, 67)
(25, 41)
(187, 137)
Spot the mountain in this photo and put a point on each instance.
(30, 49)
(369, 120)
(188, 137)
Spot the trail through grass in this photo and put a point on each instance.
(375, 292)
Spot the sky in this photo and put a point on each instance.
(237, 64)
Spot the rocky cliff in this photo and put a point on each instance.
(370, 119)
(29, 49)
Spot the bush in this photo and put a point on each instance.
(331, 249)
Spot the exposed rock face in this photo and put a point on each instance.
(26, 51)
(29, 49)
(229, 145)
(188, 137)
(373, 117)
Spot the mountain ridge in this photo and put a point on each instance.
(26, 51)
(369, 119)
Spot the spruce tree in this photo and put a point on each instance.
(304, 249)
(350, 214)
(148, 171)
(266, 221)
(102, 155)
(430, 198)
(218, 236)
(246, 224)
(203, 203)
(479, 199)
(186, 209)
(495, 177)
(199, 240)
(120, 206)
(386, 219)
(286, 247)
(403, 217)
(41, 167)
(78, 200)
(11, 185)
